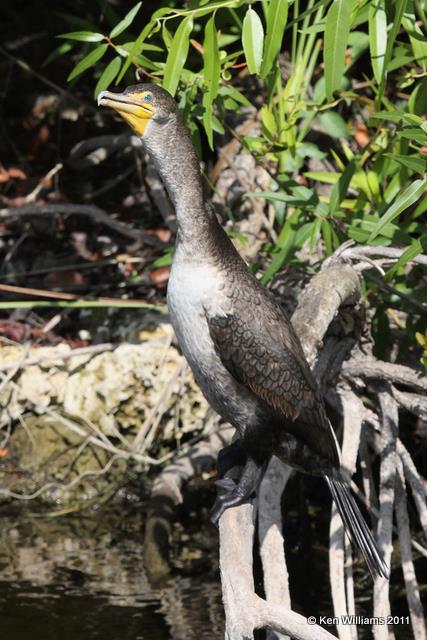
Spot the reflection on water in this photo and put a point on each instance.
(83, 577)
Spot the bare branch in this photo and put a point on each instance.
(415, 482)
(349, 252)
(412, 591)
(336, 571)
(340, 572)
(57, 357)
(412, 402)
(270, 526)
(68, 208)
(390, 422)
(245, 610)
(318, 305)
(369, 369)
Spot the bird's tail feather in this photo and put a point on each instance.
(356, 526)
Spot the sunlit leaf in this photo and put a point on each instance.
(83, 36)
(377, 36)
(414, 163)
(235, 94)
(333, 124)
(211, 74)
(402, 202)
(340, 188)
(411, 252)
(88, 61)
(136, 49)
(252, 40)
(126, 22)
(211, 64)
(276, 18)
(337, 29)
(177, 55)
(108, 75)
(416, 38)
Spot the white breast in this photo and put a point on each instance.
(191, 289)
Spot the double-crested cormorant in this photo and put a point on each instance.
(239, 343)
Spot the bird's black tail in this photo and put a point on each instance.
(356, 526)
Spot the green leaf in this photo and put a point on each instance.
(126, 22)
(63, 48)
(416, 37)
(252, 40)
(84, 36)
(235, 94)
(276, 17)
(337, 29)
(411, 252)
(339, 190)
(414, 163)
(211, 72)
(413, 133)
(108, 75)
(211, 64)
(88, 61)
(377, 36)
(402, 202)
(136, 49)
(177, 55)
(333, 124)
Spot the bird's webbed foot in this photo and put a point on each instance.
(231, 494)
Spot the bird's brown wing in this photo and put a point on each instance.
(258, 346)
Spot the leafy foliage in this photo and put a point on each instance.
(358, 74)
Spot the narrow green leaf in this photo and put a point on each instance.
(252, 40)
(126, 22)
(177, 55)
(235, 94)
(207, 118)
(63, 48)
(167, 36)
(416, 134)
(211, 73)
(411, 252)
(339, 190)
(414, 163)
(327, 236)
(136, 49)
(211, 64)
(88, 61)
(402, 202)
(108, 75)
(416, 37)
(333, 124)
(377, 36)
(84, 36)
(276, 17)
(337, 29)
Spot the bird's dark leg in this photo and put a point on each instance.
(233, 494)
(233, 455)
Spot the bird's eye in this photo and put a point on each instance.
(148, 97)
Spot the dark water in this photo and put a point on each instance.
(83, 577)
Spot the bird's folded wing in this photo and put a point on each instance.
(267, 358)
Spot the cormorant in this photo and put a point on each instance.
(238, 341)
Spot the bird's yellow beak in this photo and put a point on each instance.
(132, 107)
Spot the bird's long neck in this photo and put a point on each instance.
(172, 152)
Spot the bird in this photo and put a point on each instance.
(238, 341)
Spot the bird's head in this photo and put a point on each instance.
(139, 104)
